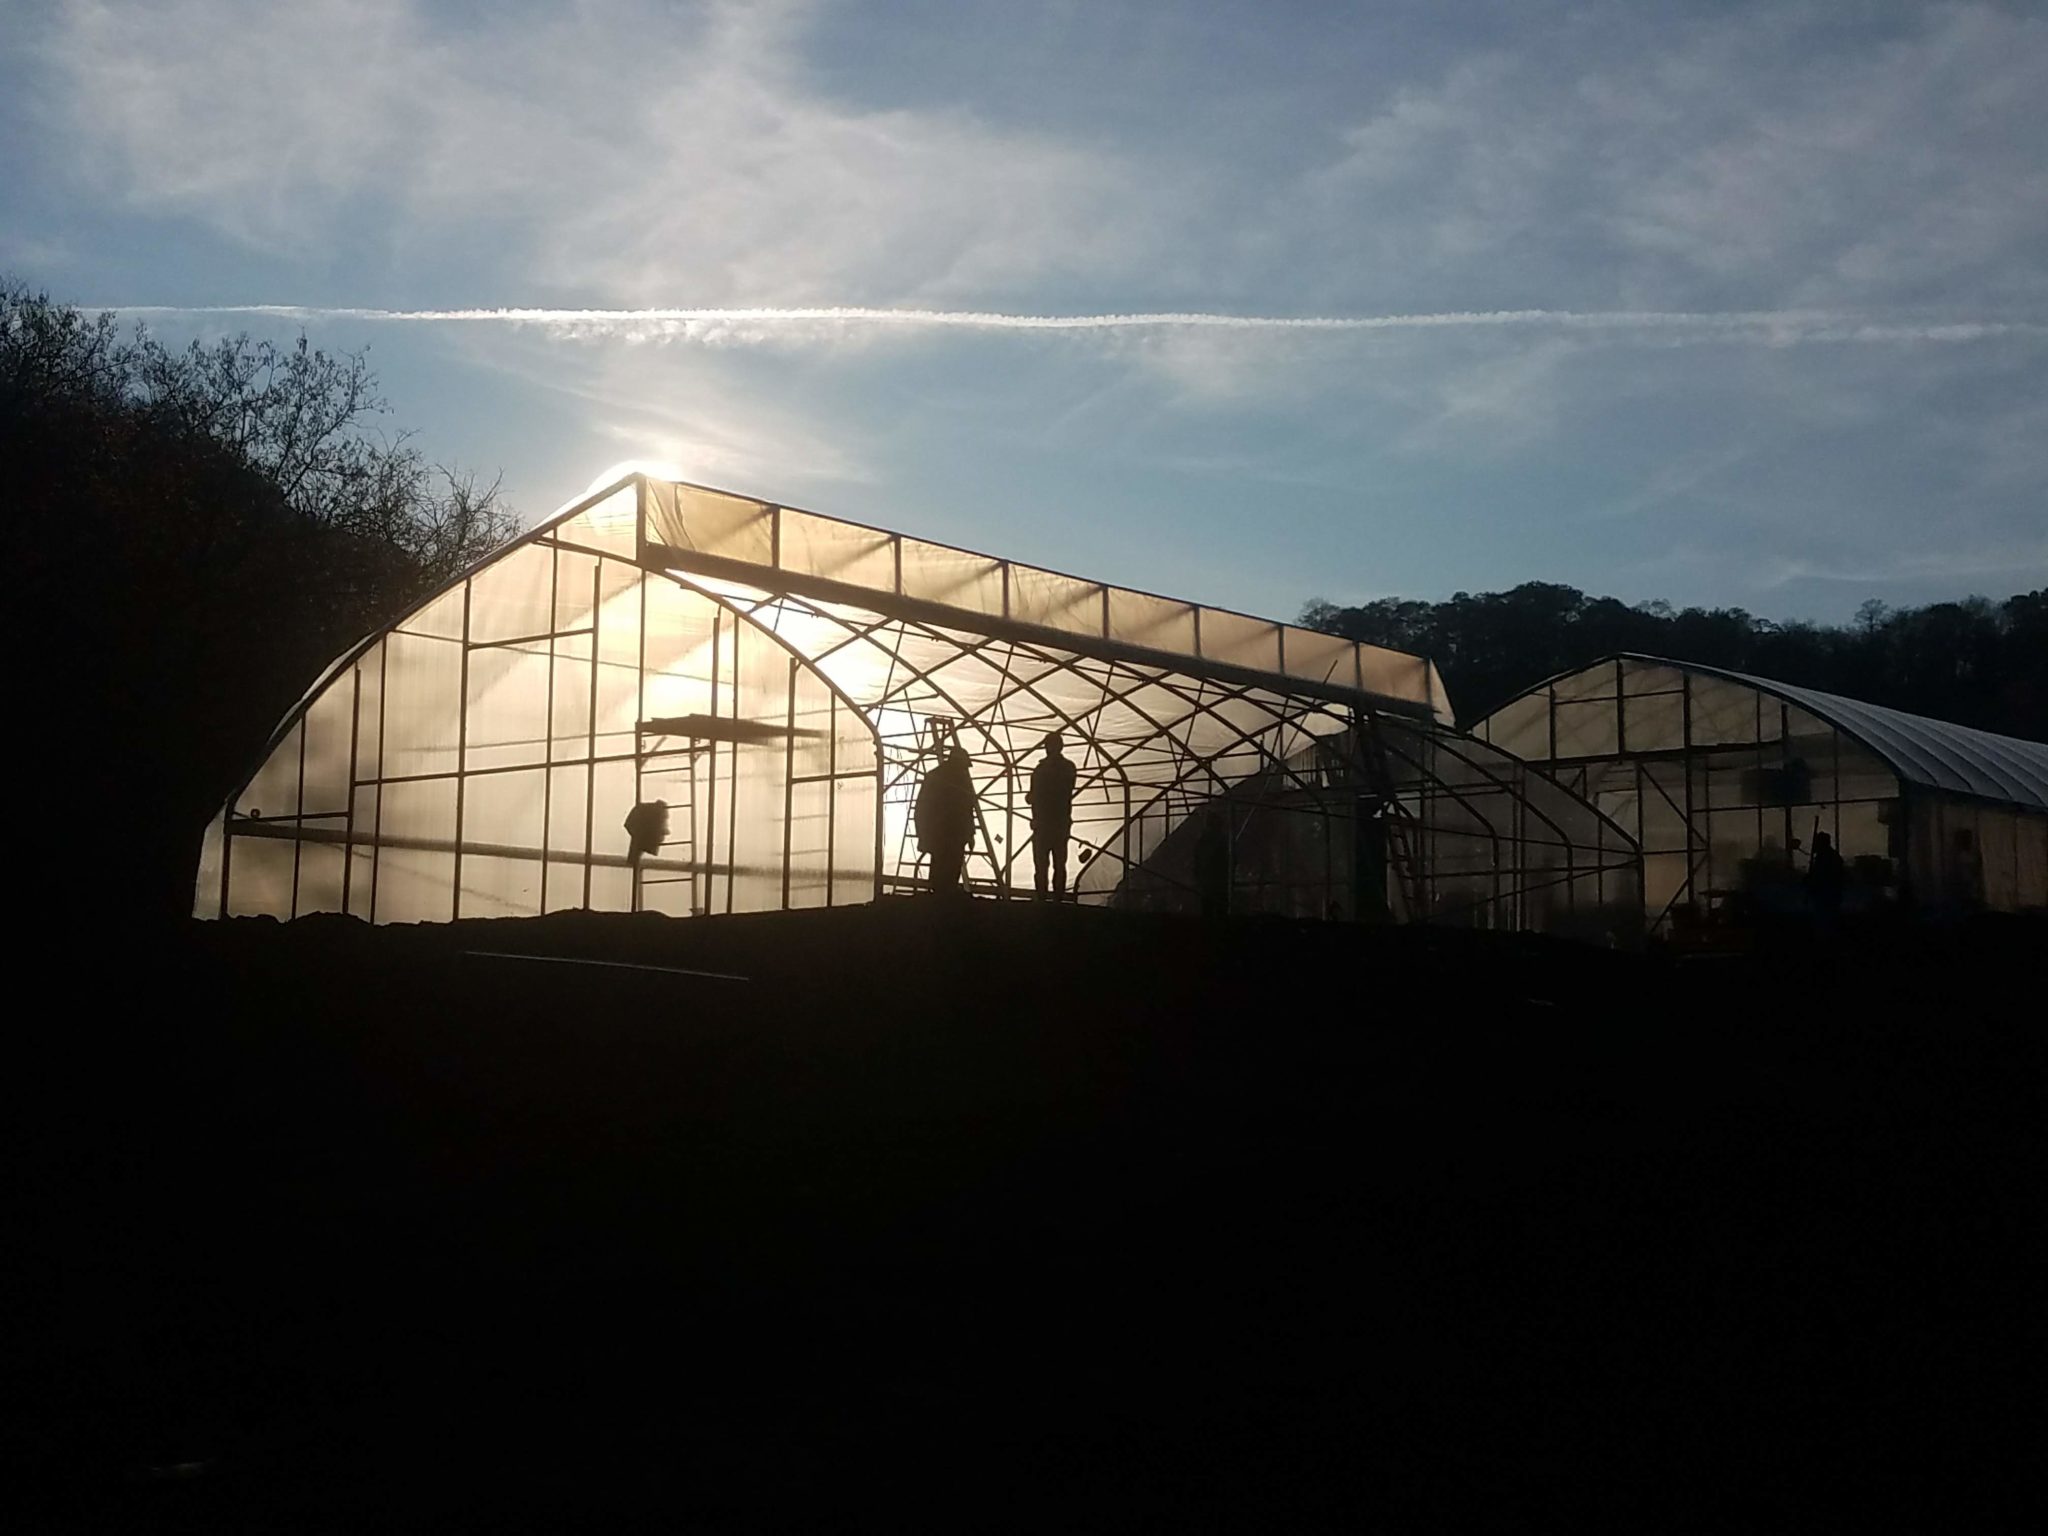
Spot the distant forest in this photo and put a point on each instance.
(1974, 662)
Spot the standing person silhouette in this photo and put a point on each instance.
(944, 815)
(1051, 798)
(1825, 876)
(1212, 863)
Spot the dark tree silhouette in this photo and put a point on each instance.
(197, 533)
(1974, 662)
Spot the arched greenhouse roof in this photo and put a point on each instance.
(1930, 754)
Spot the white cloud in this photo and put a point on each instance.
(615, 148)
(1753, 158)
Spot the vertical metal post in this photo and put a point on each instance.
(299, 813)
(881, 819)
(639, 714)
(1685, 769)
(590, 728)
(355, 723)
(547, 752)
(732, 802)
(461, 753)
(711, 795)
(789, 784)
(383, 732)
(831, 790)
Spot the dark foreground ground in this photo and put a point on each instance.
(1006, 1218)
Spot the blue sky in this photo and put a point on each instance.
(1720, 303)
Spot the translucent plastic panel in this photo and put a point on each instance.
(504, 810)
(1732, 837)
(499, 887)
(1664, 881)
(935, 573)
(1239, 641)
(576, 592)
(1663, 807)
(320, 877)
(1862, 774)
(260, 877)
(814, 743)
(1138, 618)
(810, 843)
(363, 827)
(1394, 675)
(330, 722)
(1522, 726)
(610, 527)
(361, 878)
(415, 885)
(1320, 658)
(274, 792)
(711, 523)
(369, 711)
(678, 657)
(1812, 743)
(440, 617)
(1654, 722)
(611, 889)
(1638, 677)
(1723, 713)
(206, 889)
(823, 546)
(571, 699)
(618, 667)
(508, 707)
(1056, 601)
(1601, 681)
(564, 886)
(612, 795)
(567, 806)
(1586, 729)
(513, 597)
(422, 705)
(853, 839)
(1861, 829)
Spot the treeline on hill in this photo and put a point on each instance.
(1973, 662)
(197, 533)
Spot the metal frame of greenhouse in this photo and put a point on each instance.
(782, 680)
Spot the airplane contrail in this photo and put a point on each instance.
(1776, 326)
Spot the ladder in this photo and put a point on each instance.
(665, 769)
(1403, 857)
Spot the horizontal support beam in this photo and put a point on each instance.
(774, 580)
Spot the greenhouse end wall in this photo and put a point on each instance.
(1725, 784)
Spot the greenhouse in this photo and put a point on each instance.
(776, 684)
(1726, 782)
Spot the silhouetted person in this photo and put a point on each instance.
(646, 830)
(944, 816)
(1369, 858)
(1051, 798)
(1212, 865)
(1825, 876)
